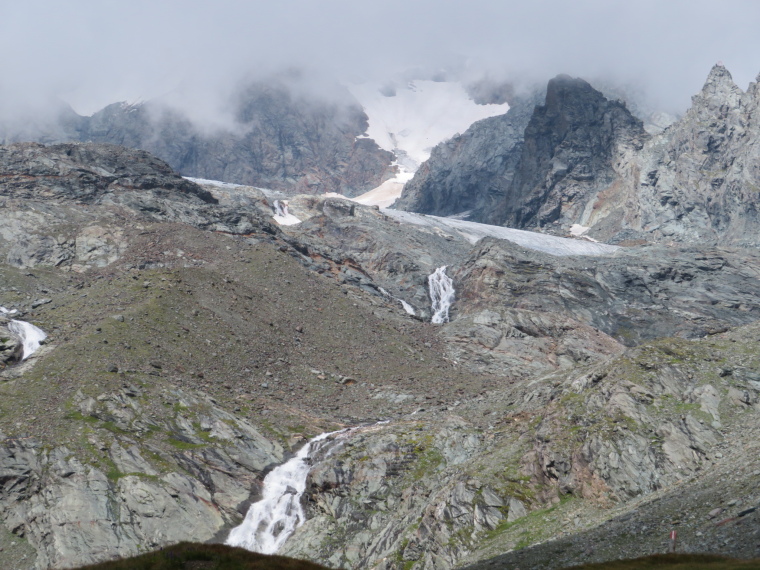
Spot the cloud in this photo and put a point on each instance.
(94, 52)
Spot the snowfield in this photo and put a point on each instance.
(473, 231)
(419, 116)
(410, 123)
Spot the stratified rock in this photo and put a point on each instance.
(85, 172)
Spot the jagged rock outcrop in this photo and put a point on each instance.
(558, 452)
(700, 178)
(85, 172)
(370, 250)
(43, 189)
(536, 165)
(634, 295)
(471, 171)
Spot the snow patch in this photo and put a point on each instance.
(281, 214)
(388, 192)
(218, 183)
(420, 115)
(580, 231)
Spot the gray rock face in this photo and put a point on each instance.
(43, 189)
(700, 178)
(570, 152)
(47, 496)
(371, 250)
(635, 295)
(11, 347)
(471, 171)
(86, 172)
(535, 165)
(397, 493)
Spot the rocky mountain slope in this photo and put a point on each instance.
(584, 160)
(194, 344)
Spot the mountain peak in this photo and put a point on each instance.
(719, 85)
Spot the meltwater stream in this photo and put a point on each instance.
(276, 516)
(30, 336)
(441, 294)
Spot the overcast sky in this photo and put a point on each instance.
(93, 52)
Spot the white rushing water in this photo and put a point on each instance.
(30, 336)
(282, 215)
(407, 307)
(270, 521)
(441, 295)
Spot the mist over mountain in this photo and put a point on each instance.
(193, 54)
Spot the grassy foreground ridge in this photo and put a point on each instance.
(194, 556)
(675, 562)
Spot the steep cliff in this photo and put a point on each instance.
(573, 145)
(471, 171)
(279, 138)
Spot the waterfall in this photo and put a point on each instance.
(281, 208)
(282, 215)
(276, 516)
(407, 307)
(30, 336)
(441, 295)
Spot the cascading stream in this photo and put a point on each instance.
(407, 307)
(441, 295)
(30, 336)
(282, 215)
(281, 208)
(270, 521)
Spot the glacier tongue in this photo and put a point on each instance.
(473, 232)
